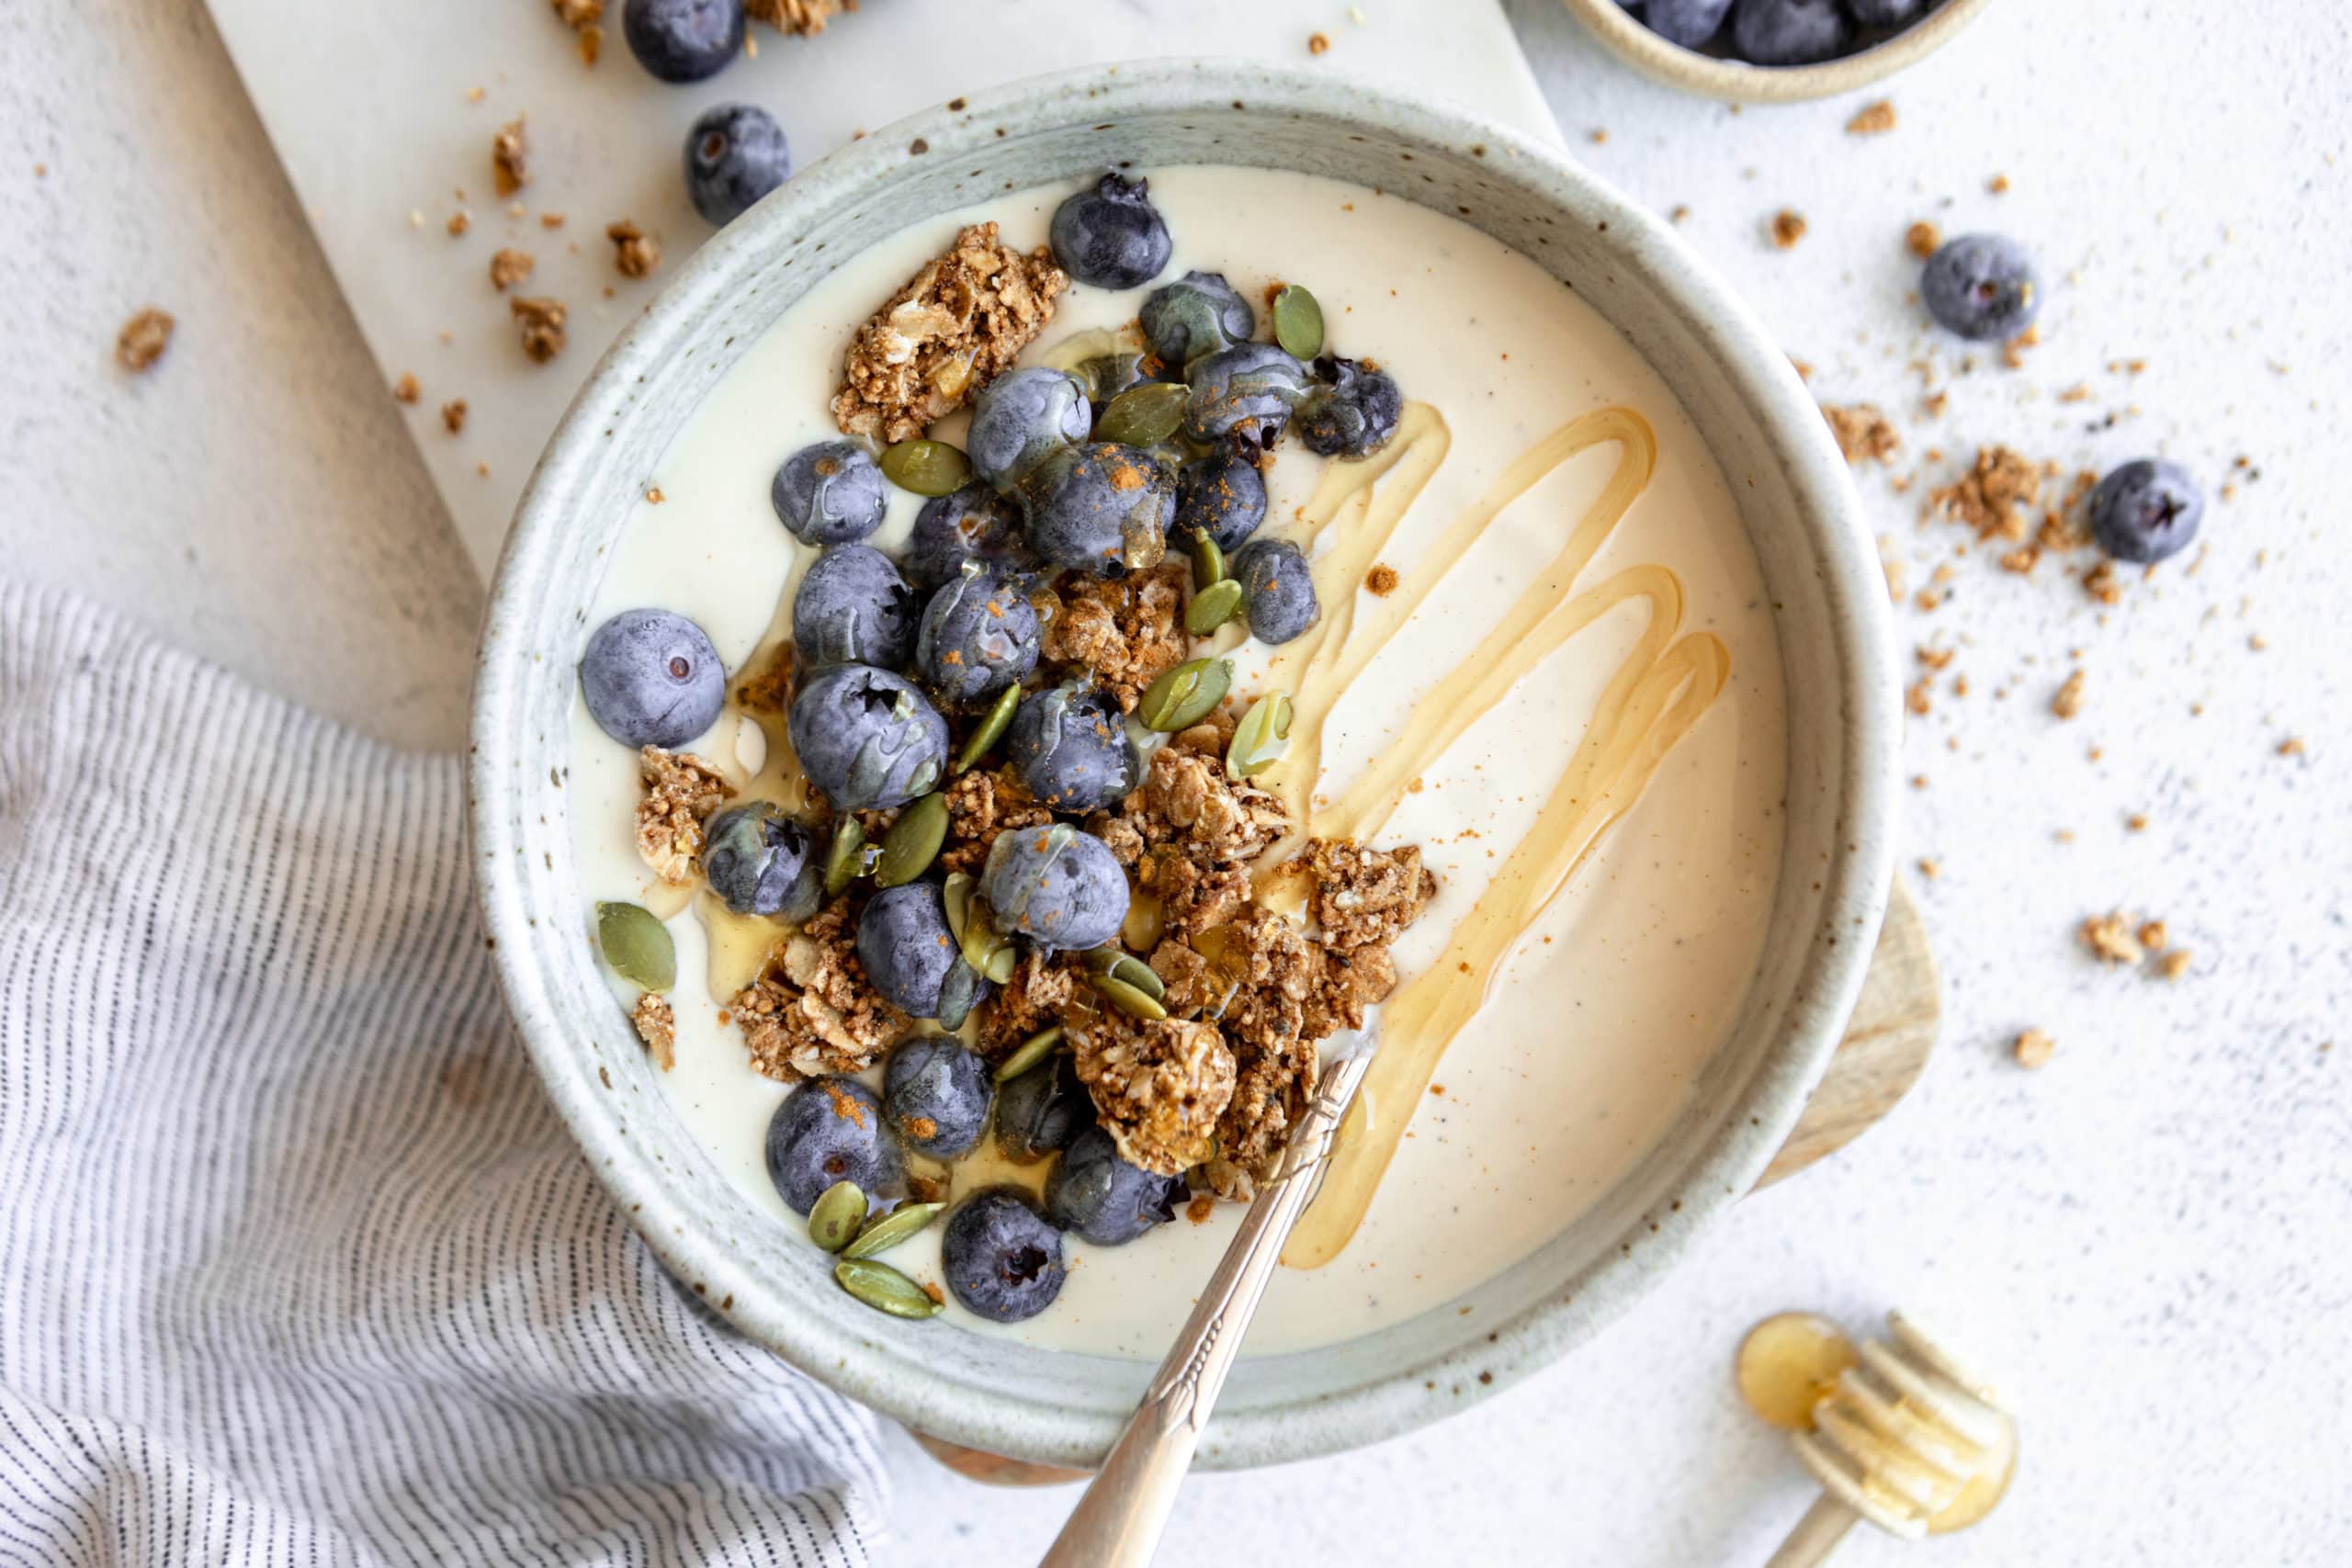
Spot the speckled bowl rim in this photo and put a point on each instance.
(1738, 83)
(512, 821)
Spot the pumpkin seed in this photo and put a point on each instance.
(992, 728)
(912, 843)
(1298, 322)
(1001, 963)
(845, 861)
(637, 946)
(957, 894)
(1261, 737)
(1031, 1052)
(1212, 607)
(882, 1234)
(1208, 561)
(1129, 1000)
(958, 993)
(1145, 415)
(983, 947)
(1124, 967)
(1185, 695)
(837, 1215)
(926, 468)
(884, 1288)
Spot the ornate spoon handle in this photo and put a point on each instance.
(1118, 1520)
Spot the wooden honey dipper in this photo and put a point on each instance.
(1898, 1431)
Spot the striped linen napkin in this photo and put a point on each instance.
(296, 1263)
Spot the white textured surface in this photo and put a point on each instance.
(2147, 1237)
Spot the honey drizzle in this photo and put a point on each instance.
(1658, 693)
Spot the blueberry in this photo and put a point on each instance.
(735, 154)
(1350, 412)
(1111, 237)
(1687, 22)
(2146, 510)
(906, 947)
(651, 679)
(1042, 1110)
(1022, 418)
(829, 1130)
(829, 493)
(1196, 315)
(978, 636)
(867, 738)
(1277, 590)
(1788, 32)
(935, 1093)
(1223, 495)
(761, 862)
(1882, 13)
(1070, 744)
(1106, 1201)
(971, 524)
(1982, 285)
(683, 41)
(852, 607)
(1002, 1257)
(1055, 885)
(1246, 391)
(1103, 509)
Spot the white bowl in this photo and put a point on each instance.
(1836, 646)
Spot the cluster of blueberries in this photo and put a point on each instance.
(893, 655)
(1778, 32)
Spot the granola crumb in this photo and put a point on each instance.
(578, 13)
(1931, 869)
(1199, 1210)
(635, 252)
(1788, 228)
(1994, 497)
(506, 158)
(1382, 580)
(2110, 938)
(956, 324)
(1998, 184)
(1680, 214)
(2136, 823)
(1873, 119)
(508, 266)
(681, 790)
(1862, 432)
(2292, 747)
(1126, 631)
(1923, 239)
(803, 18)
(653, 496)
(405, 390)
(1918, 697)
(2033, 1048)
(143, 339)
(2080, 392)
(459, 222)
(2152, 935)
(541, 319)
(453, 415)
(656, 1025)
(550, 220)
(2068, 699)
(1318, 43)
(2173, 964)
(2102, 583)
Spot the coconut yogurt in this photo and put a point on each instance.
(1606, 998)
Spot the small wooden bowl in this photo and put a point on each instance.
(1736, 82)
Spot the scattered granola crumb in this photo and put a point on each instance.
(1680, 213)
(506, 158)
(1788, 228)
(510, 266)
(1318, 43)
(2109, 937)
(1600, 135)
(1918, 697)
(143, 339)
(541, 319)
(1931, 869)
(1199, 1210)
(2080, 392)
(550, 220)
(476, 94)
(653, 496)
(2173, 964)
(459, 222)
(2068, 699)
(635, 252)
(803, 18)
(1923, 239)
(658, 1027)
(1862, 432)
(405, 390)
(1936, 657)
(2136, 823)
(1993, 497)
(1998, 184)
(2033, 1048)
(1873, 119)
(482, 469)
(1804, 371)
(2292, 747)
(947, 334)
(579, 13)
(453, 415)
(2102, 584)
(2152, 935)
(1382, 580)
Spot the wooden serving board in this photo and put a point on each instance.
(1886, 1049)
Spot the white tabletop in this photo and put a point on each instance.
(2147, 1236)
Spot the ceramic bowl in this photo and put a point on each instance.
(1835, 645)
(1736, 82)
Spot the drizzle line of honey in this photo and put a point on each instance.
(1659, 691)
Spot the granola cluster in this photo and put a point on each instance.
(1159, 1085)
(681, 789)
(811, 1010)
(1187, 805)
(656, 1025)
(980, 806)
(1127, 632)
(954, 326)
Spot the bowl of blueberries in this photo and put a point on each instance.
(1762, 52)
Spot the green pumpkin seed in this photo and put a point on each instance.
(1261, 737)
(912, 843)
(1032, 1051)
(837, 1215)
(984, 948)
(958, 993)
(637, 946)
(881, 1234)
(1208, 561)
(1185, 695)
(990, 730)
(1124, 967)
(926, 468)
(1298, 322)
(1145, 415)
(1212, 607)
(957, 894)
(845, 860)
(884, 1288)
(1129, 1000)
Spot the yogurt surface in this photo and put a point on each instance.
(1616, 995)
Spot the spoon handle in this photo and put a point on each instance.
(1118, 1522)
(1816, 1534)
